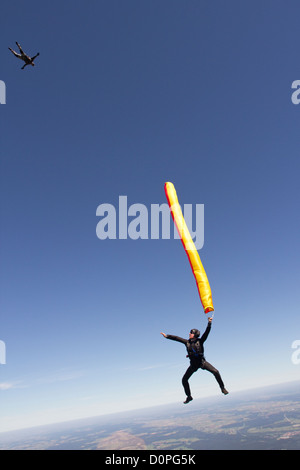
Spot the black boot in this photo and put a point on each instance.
(188, 399)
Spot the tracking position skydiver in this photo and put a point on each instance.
(28, 60)
(195, 350)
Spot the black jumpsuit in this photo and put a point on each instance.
(197, 359)
(28, 60)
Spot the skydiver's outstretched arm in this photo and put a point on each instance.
(175, 338)
(36, 55)
(207, 331)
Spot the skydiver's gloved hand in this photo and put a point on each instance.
(209, 319)
(164, 334)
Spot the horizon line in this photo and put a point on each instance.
(22, 429)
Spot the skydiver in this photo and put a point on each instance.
(28, 60)
(195, 350)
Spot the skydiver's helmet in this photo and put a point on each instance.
(195, 332)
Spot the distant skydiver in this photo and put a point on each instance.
(195, 350)
(28, 60)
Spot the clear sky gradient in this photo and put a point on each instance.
(125, 96)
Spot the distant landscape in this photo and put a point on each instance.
(259, 419)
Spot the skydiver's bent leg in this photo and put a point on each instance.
(207, 366)
(15, 53)
(189, 372)
(20, 48)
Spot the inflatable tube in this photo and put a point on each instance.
(190, 249)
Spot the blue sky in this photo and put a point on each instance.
(125, 96)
